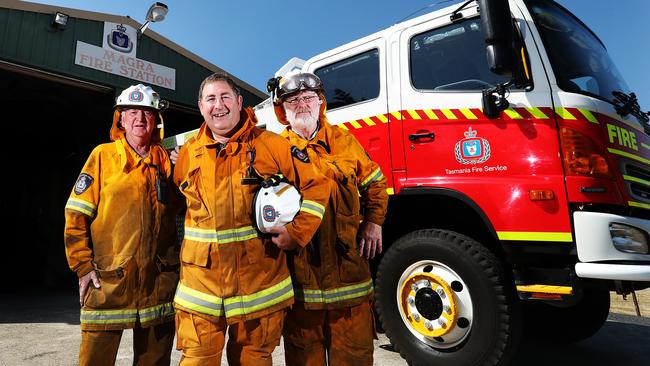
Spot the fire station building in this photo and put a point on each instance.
(60, 71)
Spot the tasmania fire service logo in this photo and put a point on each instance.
(299, 154)
(136, 96)
(83, 182)
(472, 149)
(269, 213)
(119, 40)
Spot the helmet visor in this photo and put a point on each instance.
(297, 82)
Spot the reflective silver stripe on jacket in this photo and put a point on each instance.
(192, 299)
(221, 236)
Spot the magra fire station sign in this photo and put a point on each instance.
(118, 56)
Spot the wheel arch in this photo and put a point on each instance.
(445, 208)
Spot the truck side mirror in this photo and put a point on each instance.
(494, 100)
(497, 24)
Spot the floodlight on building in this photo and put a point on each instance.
(60, 20)
(156, 13)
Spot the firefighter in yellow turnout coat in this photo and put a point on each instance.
(233, 278)
(332, 321)
(120, 237)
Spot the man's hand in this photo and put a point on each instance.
(281, 238)
(369, 239)
(173, 154)
(83, 284)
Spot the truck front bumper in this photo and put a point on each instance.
(597, 254)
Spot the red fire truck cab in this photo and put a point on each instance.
(519, 182)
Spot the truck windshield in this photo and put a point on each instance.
(578, 57)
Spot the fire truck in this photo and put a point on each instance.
(518, 166)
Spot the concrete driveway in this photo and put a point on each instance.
(43, 329)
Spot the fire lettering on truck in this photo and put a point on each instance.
(622, 137)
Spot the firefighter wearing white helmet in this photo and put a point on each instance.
(120, 237)
(332, 321)
(140, 97)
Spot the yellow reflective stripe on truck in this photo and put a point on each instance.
(513, 114)
(454, 114)
(535, 236)
(564, 113)
(588, 115)
(546, 289)
(639, 204)
(628, 155)
(636, 180)
(536, 112)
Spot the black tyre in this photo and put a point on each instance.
(578, 322)
(444, 299)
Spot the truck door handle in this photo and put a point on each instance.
(421, 136)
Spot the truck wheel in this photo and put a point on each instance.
(443, 298)
(579, 321)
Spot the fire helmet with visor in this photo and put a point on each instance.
(138, 96)
(292, 83)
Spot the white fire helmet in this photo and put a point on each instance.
(276, 204)
(140, 96)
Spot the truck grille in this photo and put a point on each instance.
(640, 190)
(637, 190)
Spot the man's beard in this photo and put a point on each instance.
(301, 125)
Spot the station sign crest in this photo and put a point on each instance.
(119, 40)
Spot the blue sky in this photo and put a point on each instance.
(252, 39)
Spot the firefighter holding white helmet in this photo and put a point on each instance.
(332, 321)
(234, 282)
(120, 236)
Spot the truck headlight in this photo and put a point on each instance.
(628, 239)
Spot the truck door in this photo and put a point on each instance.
(447, 139)
(354, 80)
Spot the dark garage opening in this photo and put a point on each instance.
(50, 127)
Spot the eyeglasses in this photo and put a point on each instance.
(306, 99)
(302, 81)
